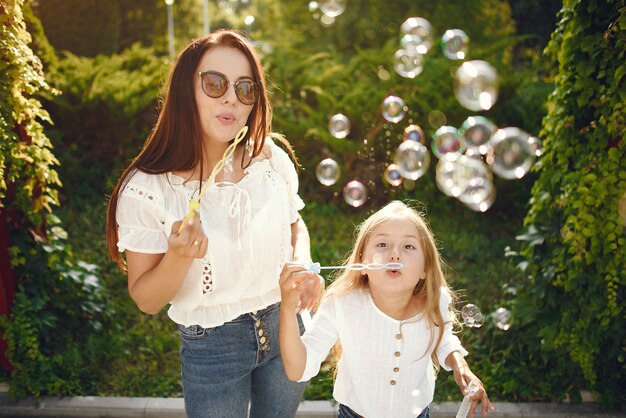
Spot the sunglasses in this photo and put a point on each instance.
(216, 85)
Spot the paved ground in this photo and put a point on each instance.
(121, 407)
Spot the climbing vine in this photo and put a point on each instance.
(574, 248)
(47, 328)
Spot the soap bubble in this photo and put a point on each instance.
(339, 126)
(469, 313)
(513, 156)
(313, 6)
(447, 143)
(414, 133)
(393, 109)
(333, 8)
(328, 172)
(392, 175)
(502, 318)
(408, 65)
(412, 159)
(476, 85)
(468, 179)
(477, 180)
(454, 44)
(355, 193)
(477, 131)
(420, 28)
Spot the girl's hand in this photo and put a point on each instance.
(191, 241)
(310, 289)
(463, 376)
(291, 277)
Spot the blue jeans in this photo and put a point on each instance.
(236, 366)
(345, 412)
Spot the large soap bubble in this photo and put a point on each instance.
(328, 172)
(455, 44)
(477, 131)
(476, 85)
(420, 28)
(393, 109)
(478, 185)
(355, 193)
(447, 143)
(339, 126)
(412, 159)
(513, 156)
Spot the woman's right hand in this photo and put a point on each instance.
(290, 277)
(191, 242)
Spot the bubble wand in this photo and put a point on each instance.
(467, 401)
(194, 204)
(316, 267)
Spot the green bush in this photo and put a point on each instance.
(106, 110)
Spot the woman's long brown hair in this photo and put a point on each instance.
(175, 142)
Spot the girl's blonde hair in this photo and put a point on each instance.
(428, 291)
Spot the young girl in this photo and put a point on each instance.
(220, 270)
(394, 326)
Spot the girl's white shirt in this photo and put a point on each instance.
(385, 369)
(248, 226)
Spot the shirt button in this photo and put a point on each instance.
(396, 369)
(265, 347)
(262, 340)
(260, 333)
(257, 324)
(398, 336)
(397, 354)
(392, 382)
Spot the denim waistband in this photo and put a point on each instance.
(256, 314)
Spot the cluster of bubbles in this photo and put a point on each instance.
(467, 157)
(472, 317)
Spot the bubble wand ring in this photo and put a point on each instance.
(194, 204)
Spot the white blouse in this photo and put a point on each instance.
(248, 226)
(385, 369)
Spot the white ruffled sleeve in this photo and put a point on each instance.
(285, 168)
(140, 219)
(449, 341)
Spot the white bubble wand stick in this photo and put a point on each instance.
(194, 204)
(317, 268)
(467, 401)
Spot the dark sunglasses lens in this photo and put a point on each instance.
(246, 92)
(214, 85)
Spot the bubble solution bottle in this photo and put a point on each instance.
(465, 405)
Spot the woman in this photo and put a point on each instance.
(220, 270)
